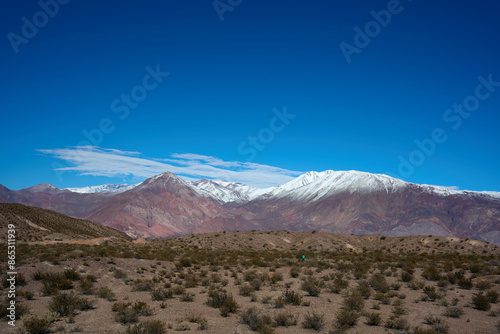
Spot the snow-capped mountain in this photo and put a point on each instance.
(313, 186)
(105, 188)
(331, 201)
(227, 192)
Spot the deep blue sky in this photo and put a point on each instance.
(226, 77)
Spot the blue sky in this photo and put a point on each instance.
(256, 91)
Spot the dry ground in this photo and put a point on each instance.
(410, 282)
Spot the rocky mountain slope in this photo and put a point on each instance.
(348, 202)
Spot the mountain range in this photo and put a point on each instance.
(347, 202)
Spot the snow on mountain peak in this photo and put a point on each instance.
(225, 191)
(105, 188)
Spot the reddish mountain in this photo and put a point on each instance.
(342, 202)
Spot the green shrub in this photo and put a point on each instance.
(313, 321)
(148, 327)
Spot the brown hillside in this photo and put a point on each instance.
(35, 224)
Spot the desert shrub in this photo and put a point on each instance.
(182, 326)
(353, 302)
(148, 327)
(142, 308)
(294, 272)
(255, 319)
(416, 285)
(346, 318)
(292, 297)
(373, 319)
(312, 286)
(21, 309)
(441, 328)
(33, 324)
(118, 273)
(190, 281)
(406, 276)
(432, 320)
(338, 284)
(29, 295)
(276, 277)
(313, 321)
(38, 275)
(143, 285)
(160, 294)
(492, 296)
(431, 273)
(363, 289)
(222, 300)
(186, 297)
(431, 293)
(397, 323)
(481, 302)
(53, 282)
(483, 285)
(279, 302)
(178, 290)
(246, 290)
(379, 283)
(453, 312)
(66, 303)
(124, 313)
(105, 293)
(285, 319)
(465, 283)
(86, 287)
(71, 274)
(399, 311)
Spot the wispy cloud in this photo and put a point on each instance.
(91, 160)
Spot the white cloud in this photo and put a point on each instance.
(91, 160)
